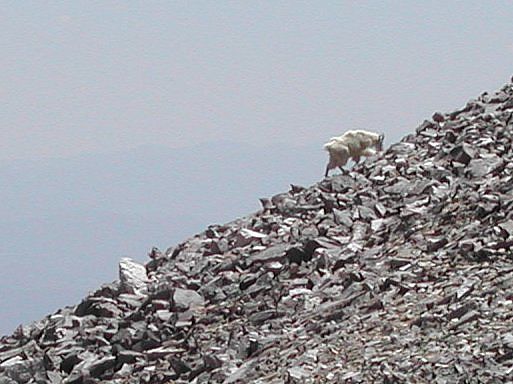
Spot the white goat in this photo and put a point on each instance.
(352, 144)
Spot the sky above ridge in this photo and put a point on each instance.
(87, 76)
(125, 125)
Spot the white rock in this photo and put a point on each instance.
(11, 362)
(247, 236)
(132, 276)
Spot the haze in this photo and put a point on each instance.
(127, 125)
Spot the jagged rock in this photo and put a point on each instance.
(273, 253)
(132, 276)
(7, 380)
(128, 357)
(179, 366)
(185, 298)
(53, 377)
(98, 367)
(21, 370)
(507, 226)
(247, 236)
(463, 153)
(99, 307)
(482, 167)
(438, 117)
(70, 360)
(220, 246)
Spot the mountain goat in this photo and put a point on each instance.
(352, 144)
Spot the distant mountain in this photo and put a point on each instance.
(65, 223)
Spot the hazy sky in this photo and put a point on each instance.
(96, 85)
(86, 76)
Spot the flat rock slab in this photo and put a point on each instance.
(187, 298)
(273, 253)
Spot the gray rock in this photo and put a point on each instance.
(184, 299)
(99, 307)
(343, 217)
(482, 167)
(273, 253)
(98, 367)
(261, 317)
(507, 226)
(128, 357)
(247, 236)
(463, 154)
(7, 380)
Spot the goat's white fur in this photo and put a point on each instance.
(352, 144)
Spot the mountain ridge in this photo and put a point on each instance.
(91, 210)
(399, 270)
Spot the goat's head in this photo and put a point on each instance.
(379, 145)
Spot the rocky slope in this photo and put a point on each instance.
(397, 271)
